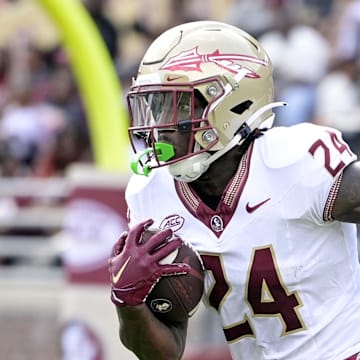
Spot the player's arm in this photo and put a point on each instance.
(134, 269)
(347, 204)
(148, 337)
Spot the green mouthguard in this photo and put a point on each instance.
(164, 152)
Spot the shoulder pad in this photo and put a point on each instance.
(284, 146)
(138, 183)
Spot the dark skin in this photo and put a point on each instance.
(151, 339)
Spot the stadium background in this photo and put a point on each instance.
(61, 205)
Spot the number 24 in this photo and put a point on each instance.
(265, 293)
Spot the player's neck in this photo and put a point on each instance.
(214, 181)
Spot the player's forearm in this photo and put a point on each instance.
(148, 337)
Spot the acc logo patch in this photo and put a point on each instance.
(161, 305)
(174, 222)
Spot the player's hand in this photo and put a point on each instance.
(134, 267)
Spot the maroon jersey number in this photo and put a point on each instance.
(265, 293)
(341, 147)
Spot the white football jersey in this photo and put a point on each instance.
(282, 274)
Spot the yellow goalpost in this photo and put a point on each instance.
(97, 80)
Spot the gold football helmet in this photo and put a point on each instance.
(206, 78)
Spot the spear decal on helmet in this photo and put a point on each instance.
(191, 60)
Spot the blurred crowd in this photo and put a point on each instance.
(314, 46)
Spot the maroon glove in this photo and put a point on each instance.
(134, 267)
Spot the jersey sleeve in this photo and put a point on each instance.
(312, 158)
(136, 199)
(145, 195)
(330, 154)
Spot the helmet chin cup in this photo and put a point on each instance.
(190, 169)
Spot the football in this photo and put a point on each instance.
(176, 298)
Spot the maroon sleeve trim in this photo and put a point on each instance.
(331, 199)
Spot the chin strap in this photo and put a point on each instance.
(269, 120)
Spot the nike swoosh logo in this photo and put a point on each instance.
(119, 273)
(251, 209)
(173, 78)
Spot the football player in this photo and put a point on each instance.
(272, 211)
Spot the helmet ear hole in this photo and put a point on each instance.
(240, 108)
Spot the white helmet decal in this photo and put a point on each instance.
(191, 60)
